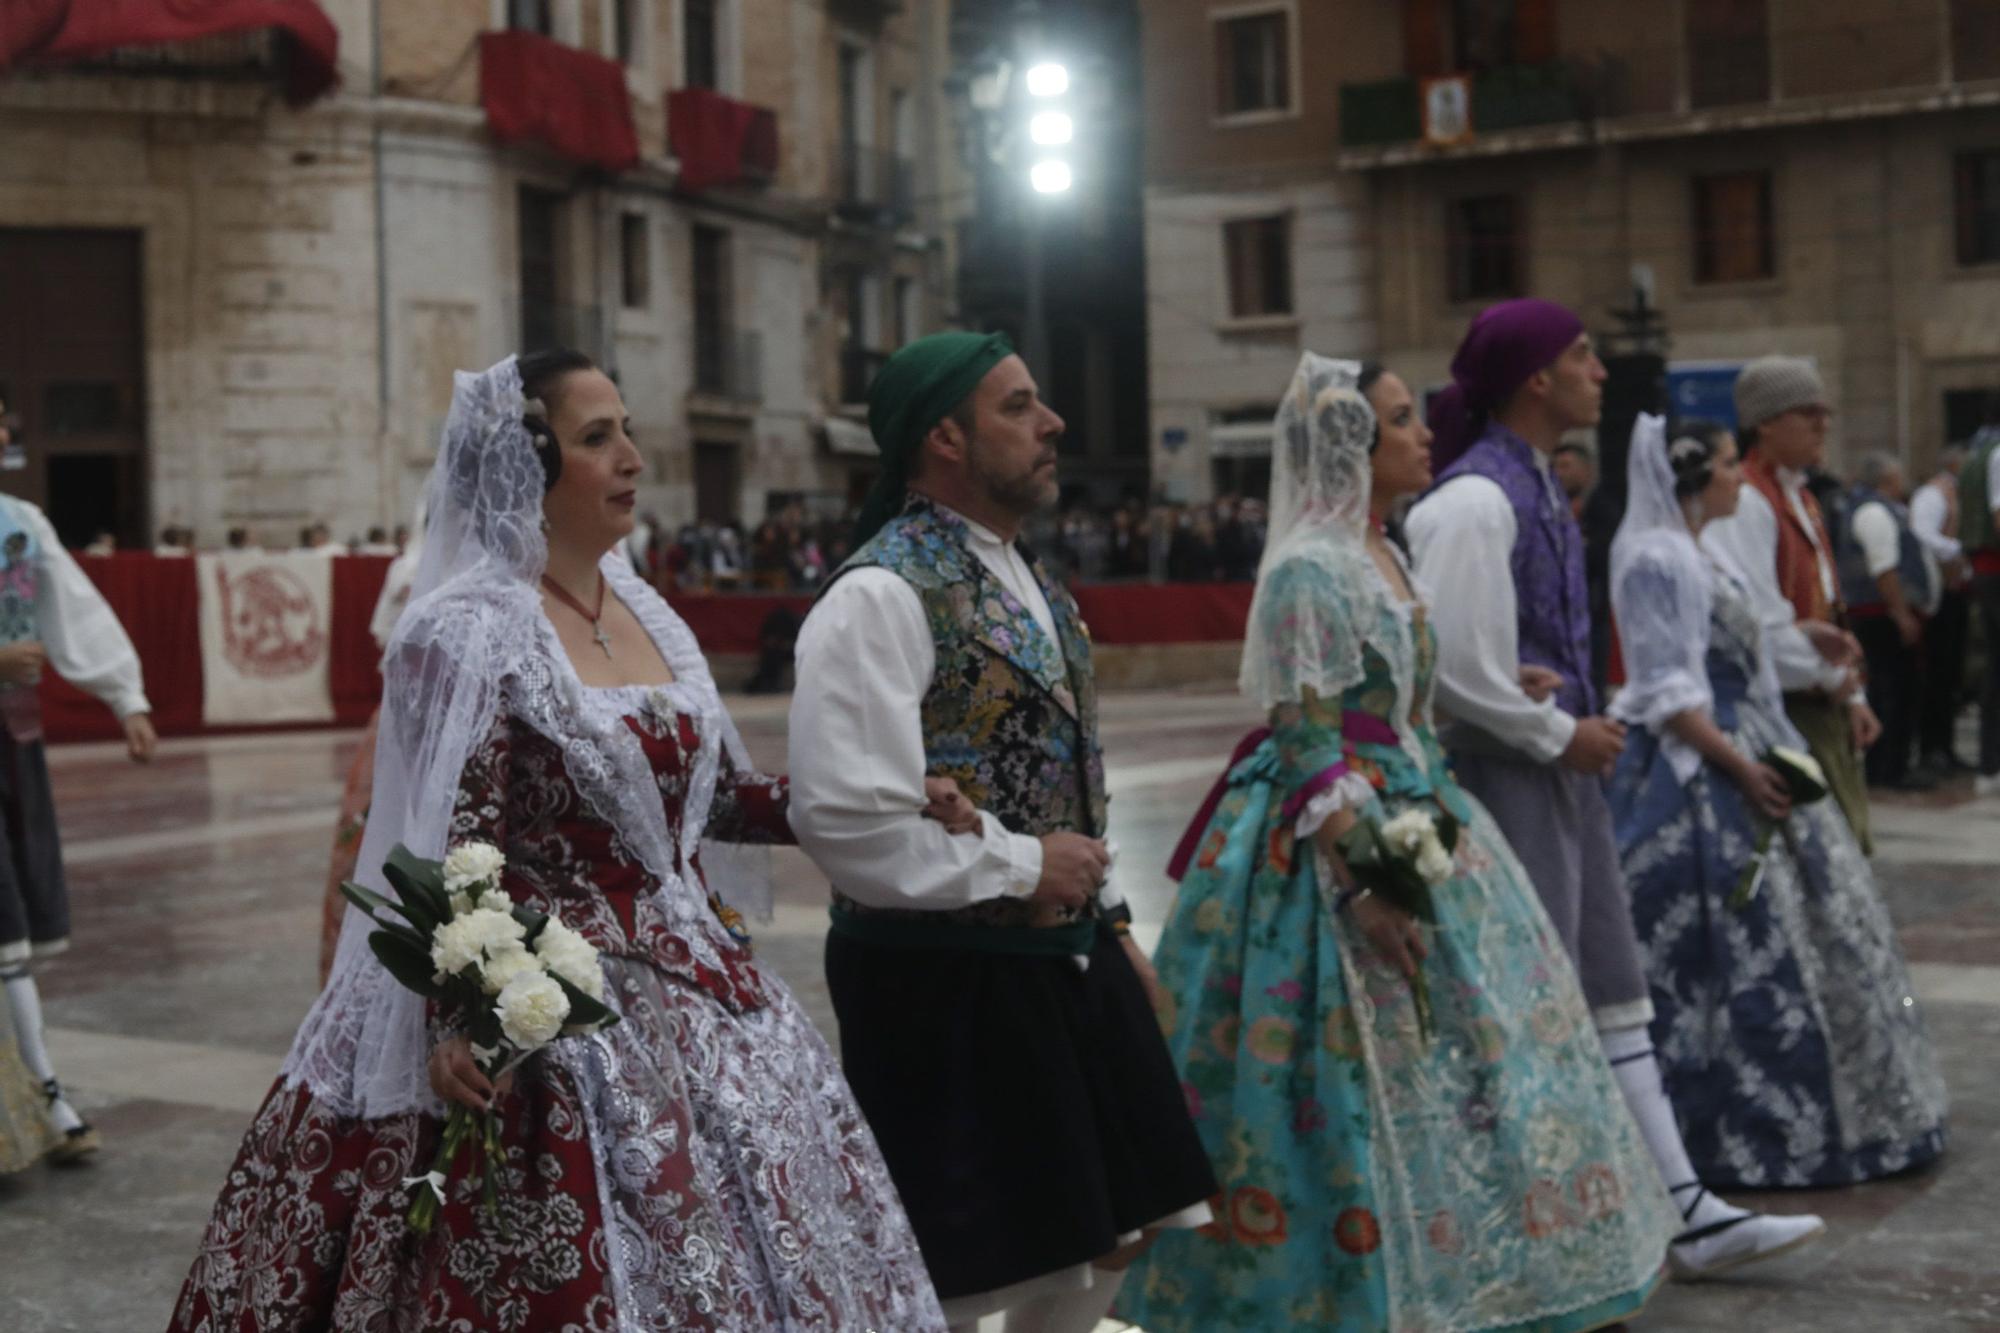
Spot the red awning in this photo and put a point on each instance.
(719, 140)
(58, 32)
(569, 100)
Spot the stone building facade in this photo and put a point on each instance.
(296, 286)
(1820, 177)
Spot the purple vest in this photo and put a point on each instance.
(1552, 600)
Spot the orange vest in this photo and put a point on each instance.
(1798, 566)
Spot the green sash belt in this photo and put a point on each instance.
(908, 932)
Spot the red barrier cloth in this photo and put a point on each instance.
(56, 32)
(569, 100)
(1127, 613)
(354, 674)
(155, 599)
(1117, 613)
(719, 140)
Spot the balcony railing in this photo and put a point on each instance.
(1390, 111)
(858, 367)
(729, 363)
(256, 56)
(876, 184)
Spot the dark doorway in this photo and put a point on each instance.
(72, 372)
(715, 483)
(540, 213)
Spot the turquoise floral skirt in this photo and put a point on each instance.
(1486, 1178)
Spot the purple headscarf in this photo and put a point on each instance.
(1505, 345)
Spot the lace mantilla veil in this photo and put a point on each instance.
(473, 643)
(1318, 591)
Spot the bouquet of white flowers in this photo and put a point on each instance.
(1400, 861)
(1806, 781)
(511, 978)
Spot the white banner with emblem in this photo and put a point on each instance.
(265, 638)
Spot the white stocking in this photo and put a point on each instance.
(26, 1003)
(1068, 1312)
(1630, 1051)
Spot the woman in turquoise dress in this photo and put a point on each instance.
(1483, 1175)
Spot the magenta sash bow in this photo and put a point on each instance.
(1358, 727)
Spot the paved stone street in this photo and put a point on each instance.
(196, 889)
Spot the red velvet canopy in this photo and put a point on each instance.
(38, 33)
(569, 100)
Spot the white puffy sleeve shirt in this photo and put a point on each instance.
(1930, 509)
(1462, 537)
(1747, 544)
(85, 643)
(865, 661)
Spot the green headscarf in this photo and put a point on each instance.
(915, 389)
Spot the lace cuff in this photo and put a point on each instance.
(1342, 789)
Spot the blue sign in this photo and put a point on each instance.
(1704, 389)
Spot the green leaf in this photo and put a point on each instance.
(419, 882)
(407, 963)
(584, 1011)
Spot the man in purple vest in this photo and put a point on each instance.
(1501, 557)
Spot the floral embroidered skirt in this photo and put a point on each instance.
(1488, 1179)
(690, 1168)
(1792, 1045)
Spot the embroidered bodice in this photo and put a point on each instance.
(565, 860)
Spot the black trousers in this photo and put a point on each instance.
(1943, 674)
(1986, 591)
(1893, 681)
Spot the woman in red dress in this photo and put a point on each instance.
(700, 1165)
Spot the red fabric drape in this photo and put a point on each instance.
(53, 32)
(569, 100)
(1117, 613)
(719, 140)
(156, 600)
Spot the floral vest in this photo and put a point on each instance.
(1798, 563)
(1551, 598)
(20, 596)
(1009, 716)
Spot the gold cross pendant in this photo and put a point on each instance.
(603, 639)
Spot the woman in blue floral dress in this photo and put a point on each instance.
(1793, 1048)
(1484, 1176)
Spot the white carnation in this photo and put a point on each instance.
(532, 1009)
(1434, 862)
(461, 904)
(472, 863)
(571, 957)
(502, 967)
(1407, 831)
(480, 933)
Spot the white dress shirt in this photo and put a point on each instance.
(79, 631)
(1462, 536)
(1747, 545)
(865, 661)
(1880, 538)
(1930, 509)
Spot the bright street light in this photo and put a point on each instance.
(1047, 79)
(1050, 177)
(1051, 127)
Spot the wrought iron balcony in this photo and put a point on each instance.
(876, 184)
(729, 363)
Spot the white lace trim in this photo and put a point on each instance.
(1350, 791)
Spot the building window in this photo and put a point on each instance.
(625, 34)
(909, 315)
(1728, 53)
(635, 271)
(1975, 39)
(539, 214)
(1734, 239)
(711, 308)
(1484, 236)
(1253, 63)
(701, 43)
(1259, 253)
(532, 16)
(1977, 207)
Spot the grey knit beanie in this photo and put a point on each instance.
(1773, 385)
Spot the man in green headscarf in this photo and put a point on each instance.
(994, 1023)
